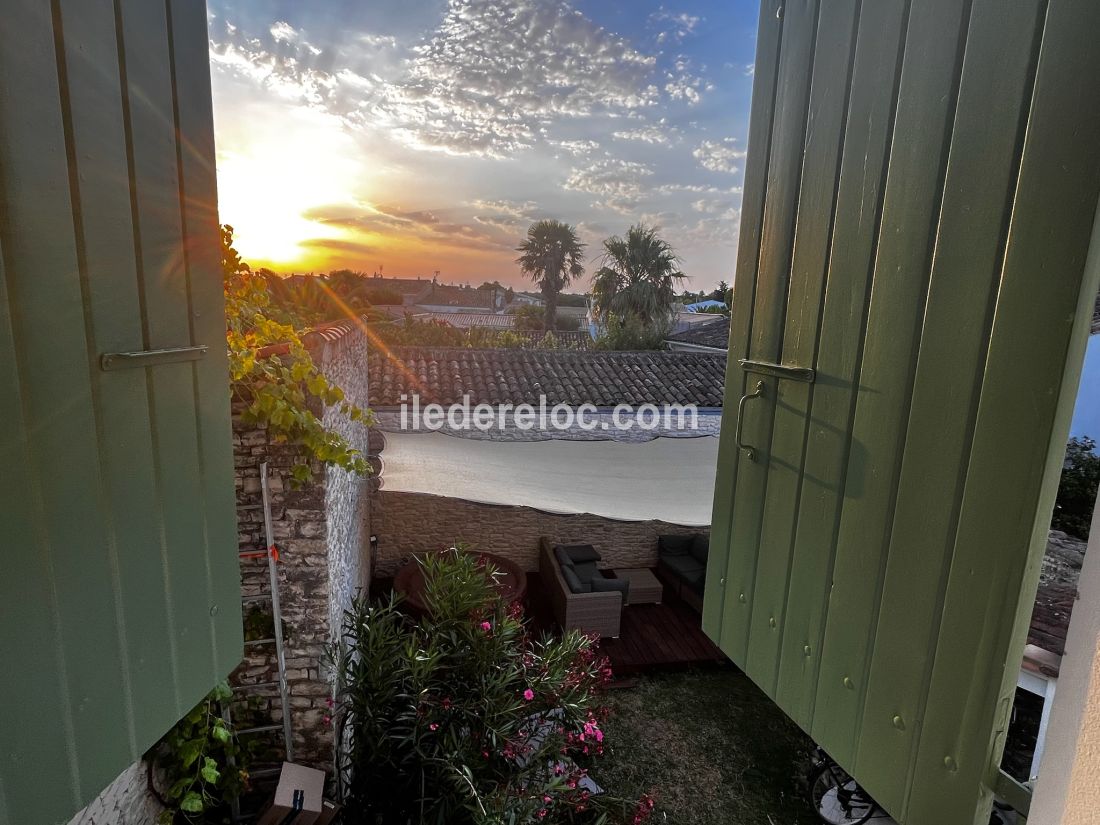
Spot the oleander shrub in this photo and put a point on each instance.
(462, 716)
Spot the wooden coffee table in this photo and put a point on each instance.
(645, 588)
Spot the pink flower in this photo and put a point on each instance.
(542, 813)
(528, 694)
(486, 626)
(433, 726)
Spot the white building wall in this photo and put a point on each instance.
(1068, 789)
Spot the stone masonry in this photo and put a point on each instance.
(126, 801)
(321, 531)
(408, 523)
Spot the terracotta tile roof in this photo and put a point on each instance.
(714, 333)
(470, 319)
(315, 337)
(602, 378)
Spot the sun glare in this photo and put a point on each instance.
(269, 181)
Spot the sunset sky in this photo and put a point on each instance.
(426, 135)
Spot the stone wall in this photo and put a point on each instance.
(347, 499)
(299, 527)
(408, 523)
(321, 531)
(126, 801)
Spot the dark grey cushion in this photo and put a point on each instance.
(686, 568)
(674, 545)
(574, 584)
(604, 585)
(586, 571)
(562, 556)
(580, 553)
(700, 548)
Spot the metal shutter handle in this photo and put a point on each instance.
(750, 452)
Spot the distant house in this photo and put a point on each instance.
(712, 336)
(467, 320)
(409, 288)
(527, 299)
(436, 297)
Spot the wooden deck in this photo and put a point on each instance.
(652, 636)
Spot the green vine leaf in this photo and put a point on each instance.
(282, 389)
(192, 803)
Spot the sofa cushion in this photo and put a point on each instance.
(580, 553)
(573, 582)
(686, 568)
(700, 548)
(562, 557)
(586, 571)
(674, 545)
(605, 585)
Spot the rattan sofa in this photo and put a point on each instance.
(598, 613)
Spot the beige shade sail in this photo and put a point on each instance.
(671, 479)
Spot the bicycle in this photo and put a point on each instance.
(836, 797)
(839, 800)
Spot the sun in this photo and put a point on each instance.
(270, 179)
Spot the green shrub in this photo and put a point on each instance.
(201, 765)
(567, 323)
(631, 333)
(461, 717)
(530, 318)
(1077, 488)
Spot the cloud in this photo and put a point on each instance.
(283, 32)
(419, 216)
(422, 225)
(712, 205)
(509, 217)
(661, 134)
(490, 81)
(696, 189)
(513, 209)
(339, 245)
(718, 156)
(674, 27)
(378, 40)
(496, 71)
(617, 183)
(684, 87)
(576, 148)
(722, 228)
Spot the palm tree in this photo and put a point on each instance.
(552, 259)
(636, 286)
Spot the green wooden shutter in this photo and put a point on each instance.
(919, 201)
(119, 591)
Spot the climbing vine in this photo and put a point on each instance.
(280, 388)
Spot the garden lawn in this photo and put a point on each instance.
(711, 747)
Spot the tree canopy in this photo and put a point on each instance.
(635, 288)
(551, 258)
